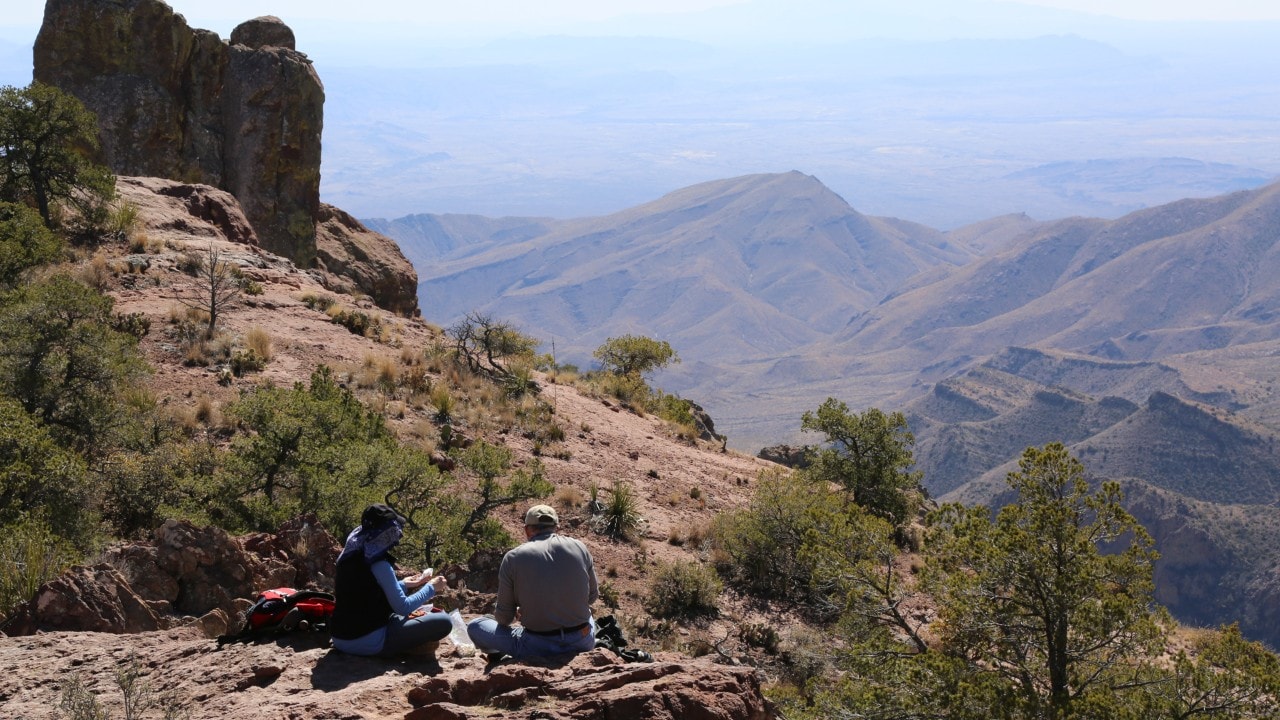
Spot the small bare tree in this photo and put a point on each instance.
(485, 344)
(218, 288)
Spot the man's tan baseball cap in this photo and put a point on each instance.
(541, 516)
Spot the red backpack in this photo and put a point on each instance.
(283, 610)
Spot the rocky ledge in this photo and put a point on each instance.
(299, 677)
(155, 607)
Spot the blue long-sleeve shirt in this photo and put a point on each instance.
(401, 604)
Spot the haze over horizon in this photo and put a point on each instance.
(938, 112)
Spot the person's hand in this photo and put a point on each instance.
(439, 583)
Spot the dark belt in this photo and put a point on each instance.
(550, 633)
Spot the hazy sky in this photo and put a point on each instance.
(1172, 9)
(505, 11)
(222, 14)
(589, 10)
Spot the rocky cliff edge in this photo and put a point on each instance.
(243, 115)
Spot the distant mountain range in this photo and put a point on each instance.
(1149, 344)
(777, 293)
(749, 268)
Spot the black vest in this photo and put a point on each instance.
(360, 606)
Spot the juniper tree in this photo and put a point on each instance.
(46, 136)
(867, 453)
(1052, 598)
(635, 355)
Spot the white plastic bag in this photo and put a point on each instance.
(459, 635)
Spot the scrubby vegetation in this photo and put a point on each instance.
(1044, 611)
(683, 590)
(86, 455)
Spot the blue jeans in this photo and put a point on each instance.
(405, 634)
(491, 637)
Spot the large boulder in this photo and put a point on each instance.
(187, 570)
(371, 262)
(786, 455)
(180, 103)
(95, 599)
(186, 209)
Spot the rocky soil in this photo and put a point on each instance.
(300, 678)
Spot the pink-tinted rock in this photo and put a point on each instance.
(186, 570)
(245, 116)
(97, 599)
(597, 685)
(372, 262)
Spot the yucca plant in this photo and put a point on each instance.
(621, 517)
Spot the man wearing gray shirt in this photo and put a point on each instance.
(548, 583)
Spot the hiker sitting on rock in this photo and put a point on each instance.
(371, 613)
(549, 583)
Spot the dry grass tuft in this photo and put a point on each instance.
(97, 273)
(206, 412)
(569, 497)
(259, 341)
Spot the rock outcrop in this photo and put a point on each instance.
(299, 677)
(596, 685)
(349, 250)
(180, 103)
(186, 571)
(185, 209)
(244, 116)
(791, 456)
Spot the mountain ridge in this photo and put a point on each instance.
(778, 258)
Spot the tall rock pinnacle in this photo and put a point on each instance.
(180, 103)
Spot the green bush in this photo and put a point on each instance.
(135, 324)
(299, 444)
(65, 364)
(355, 321)
(37, 476)
(520, 382)
(249, 286)
(673, 408)
(762, 548)
(31, 553)
(630, 390)
(319, 302)
(24, 242)
(144, 488)
(683, 590)
(246, 361)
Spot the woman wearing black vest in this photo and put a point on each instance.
(371, 613)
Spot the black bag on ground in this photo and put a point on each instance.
(610, 637)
